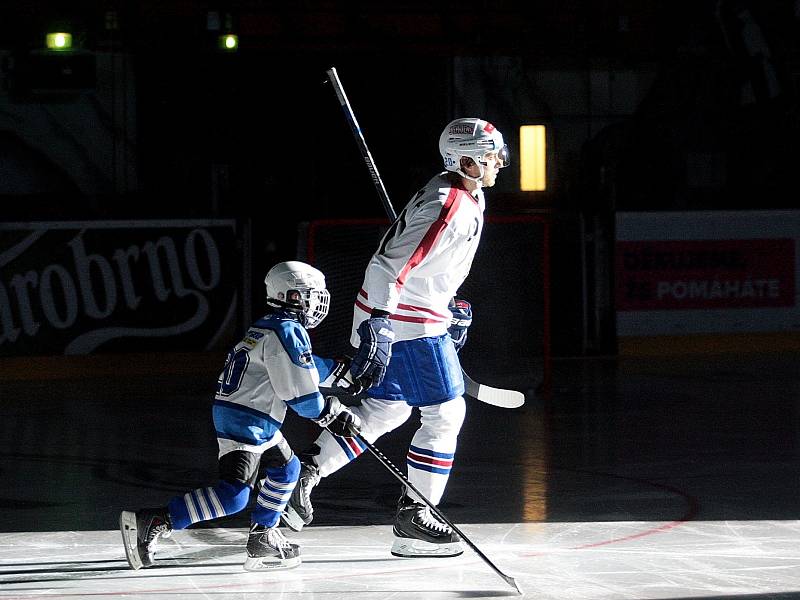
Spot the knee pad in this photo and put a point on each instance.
(277, 456)
(244, 467)
(239, 466)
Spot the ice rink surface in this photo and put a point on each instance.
(549, 560)
(673, 477)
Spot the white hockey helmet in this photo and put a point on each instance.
(298, 288)
(473, 138)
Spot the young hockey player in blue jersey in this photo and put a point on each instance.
(404, 311)
(270, 369)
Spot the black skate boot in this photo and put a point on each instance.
(141, 531)
(269, 550)
(299, 512)
(417, 532)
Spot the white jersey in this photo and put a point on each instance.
(272, 367)
(422, 260)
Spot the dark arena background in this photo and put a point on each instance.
(520, 322)
(637, 281)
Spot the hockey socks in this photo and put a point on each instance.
(204, 504)
(230, 497)
(299, 511)
(275, 492)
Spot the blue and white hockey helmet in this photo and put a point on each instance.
(299, 288)
(473, 138)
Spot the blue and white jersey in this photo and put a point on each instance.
(271, 367)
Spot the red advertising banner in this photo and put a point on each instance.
(705, 274)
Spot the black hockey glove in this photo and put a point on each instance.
(460, 322)
(372, 357)
(338, 419)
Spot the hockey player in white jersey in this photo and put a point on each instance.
(405, 356)
(270, 369)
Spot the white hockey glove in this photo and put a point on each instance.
(338, 419)
(372, 357)
(460, 322)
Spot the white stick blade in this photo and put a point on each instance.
(494, 396)
(500, 397)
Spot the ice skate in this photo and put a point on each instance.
(269, 550)
(417, 532)
(299, 512)
(141, 531)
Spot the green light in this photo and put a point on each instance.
(59, 41)
(229, 42)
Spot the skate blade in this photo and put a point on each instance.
(270, 563)
(291, 519)
(411, 548)
(127, 527)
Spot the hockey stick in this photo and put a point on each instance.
(491, 395)
(484, 393)
(494, 396)
(404, 480)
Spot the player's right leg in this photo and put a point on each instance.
(437, 377)
(329, 453)
(430, 457)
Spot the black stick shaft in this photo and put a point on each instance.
(333, 77)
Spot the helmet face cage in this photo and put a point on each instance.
(317, 303)
(298, 288)
(472, 138)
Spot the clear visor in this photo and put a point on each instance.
(504, 156)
